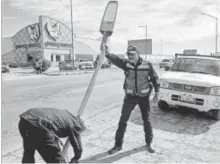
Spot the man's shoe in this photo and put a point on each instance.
(150, 149)
(114, 150)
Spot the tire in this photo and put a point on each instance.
(163, 105)
(160, 67)
(216, 114)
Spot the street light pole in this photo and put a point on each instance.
(73, 41)
(145, 41)
(216, 31)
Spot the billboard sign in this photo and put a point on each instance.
(144, 45)
(190, 51)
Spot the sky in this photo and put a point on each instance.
(173, 25)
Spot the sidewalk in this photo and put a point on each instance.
(170, 147)
(28, 73)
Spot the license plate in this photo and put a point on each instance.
(187, 98)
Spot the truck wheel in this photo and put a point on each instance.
(163, 105)
(216, 114)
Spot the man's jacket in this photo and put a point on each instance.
(138, 78)
(60, 123)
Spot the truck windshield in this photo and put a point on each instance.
(196, 65)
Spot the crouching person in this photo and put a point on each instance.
(41, 130)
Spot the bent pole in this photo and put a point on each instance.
(89, 89)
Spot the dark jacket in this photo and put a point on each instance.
(60, 123)
(124, 63)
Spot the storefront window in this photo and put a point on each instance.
(58, 58)
(51, 57)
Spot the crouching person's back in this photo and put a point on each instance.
(41, 129)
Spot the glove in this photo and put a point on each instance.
(73, 160)
(106, 49)
(156, 97)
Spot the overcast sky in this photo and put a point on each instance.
(177, 24)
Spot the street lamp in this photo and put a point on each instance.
(146, 41)
(216, 31)
(73, 41)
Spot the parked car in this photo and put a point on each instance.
(5, 67)
(86, 65)
(166, 63)
(66, 65)
(193, 82)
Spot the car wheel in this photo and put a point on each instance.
(160, 67)
(163, 105)
(216, 114)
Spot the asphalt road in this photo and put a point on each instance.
(67, 91)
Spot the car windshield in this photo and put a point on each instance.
(196, 65)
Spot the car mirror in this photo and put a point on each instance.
(108, 20)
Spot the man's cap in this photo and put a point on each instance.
(132, 49)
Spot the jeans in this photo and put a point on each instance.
(129, 104)
(37, 139)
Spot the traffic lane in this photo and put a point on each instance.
(19, 82)
(31, 90)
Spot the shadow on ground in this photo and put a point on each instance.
(176, 120)
(106, 158)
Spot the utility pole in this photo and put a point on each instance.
(145, 40)
(73, 41)
(161, 47)
(216, 31)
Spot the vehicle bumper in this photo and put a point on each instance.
(201, 102)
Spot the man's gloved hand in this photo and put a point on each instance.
(156, 97)
(73, 160)
(106, 49)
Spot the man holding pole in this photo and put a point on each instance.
(41, 129)
(139, 78)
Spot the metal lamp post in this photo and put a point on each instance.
(146, 40)
(216, 31)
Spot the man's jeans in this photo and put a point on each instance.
(129, 104)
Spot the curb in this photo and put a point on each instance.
(67, 73)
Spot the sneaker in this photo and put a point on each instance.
(114, 150)
(150, 149)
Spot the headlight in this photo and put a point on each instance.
(215, 91)
(164, 83)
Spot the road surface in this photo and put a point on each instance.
(67, 91)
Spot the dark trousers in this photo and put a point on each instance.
(37, 139)
(129, 104)
(38, 70)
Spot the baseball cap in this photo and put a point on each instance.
(132, 49)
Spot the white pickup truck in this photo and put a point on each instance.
(193, 81)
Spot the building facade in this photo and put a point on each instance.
(49, 38)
